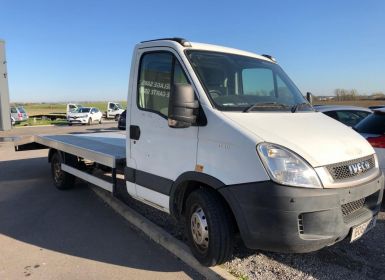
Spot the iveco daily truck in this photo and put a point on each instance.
(224, 141)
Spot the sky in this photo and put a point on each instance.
(81, 50)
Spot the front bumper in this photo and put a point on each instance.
(77, 120)
(280, 218)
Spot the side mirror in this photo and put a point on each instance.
(181, 106)
(309, 97)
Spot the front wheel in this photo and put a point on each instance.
(100, 121)
(210, 231)
(89, 121)
(117, 117)
(62, 180)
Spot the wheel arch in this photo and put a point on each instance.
(66, 158)
(187, 183)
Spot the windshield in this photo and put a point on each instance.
(118, 106)
(21, 109)
(241, 83)
(373, 124)
(83, 110)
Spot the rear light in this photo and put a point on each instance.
(377, 142)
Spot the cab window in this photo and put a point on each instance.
(157, 72)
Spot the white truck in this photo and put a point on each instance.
(224, 141)
(72, 107)
(114, 110)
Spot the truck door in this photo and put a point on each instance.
(160, 153)
(111, 108)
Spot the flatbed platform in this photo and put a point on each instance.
(107, 148)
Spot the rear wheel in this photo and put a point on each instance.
(210, 231)
(62, 180)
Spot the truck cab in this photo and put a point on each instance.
(114, 110)
(72, 107)
(224, 141)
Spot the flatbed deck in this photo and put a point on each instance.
(108, 148)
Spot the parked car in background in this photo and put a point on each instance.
(376, 107)
(85, 115)
(19, 114)
(348, 115)
(122, 121)
(373, 129)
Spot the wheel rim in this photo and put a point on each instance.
(57, 172)
(199, 228)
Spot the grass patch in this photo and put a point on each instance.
(37, 122)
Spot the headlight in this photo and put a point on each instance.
(287, 168)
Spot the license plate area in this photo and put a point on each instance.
(360, 230)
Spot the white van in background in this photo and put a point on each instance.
(114, 110)
(72, 107)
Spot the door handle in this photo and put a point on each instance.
(134, 132)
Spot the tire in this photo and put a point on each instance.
(62, 180)
(89, 121)
(209, 227)
(70, 124)
(100, 121)
(117, 117)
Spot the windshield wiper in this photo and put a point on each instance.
(297, 106)
(264, 105)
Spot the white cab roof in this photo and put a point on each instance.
(199, 46)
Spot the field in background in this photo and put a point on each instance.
(46, 108)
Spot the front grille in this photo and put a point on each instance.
(352, 207)
(340, 171)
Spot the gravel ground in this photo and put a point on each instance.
(363, 259)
